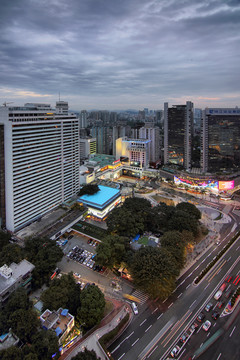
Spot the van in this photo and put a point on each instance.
(134, 307)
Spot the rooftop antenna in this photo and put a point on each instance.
(5, 103)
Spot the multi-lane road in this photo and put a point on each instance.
(155, 331)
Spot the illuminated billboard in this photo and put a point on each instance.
(226, 185)
(197, 183)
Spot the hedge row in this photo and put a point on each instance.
(90, 230)
(235, 296)
(105, 339)
(219, 255)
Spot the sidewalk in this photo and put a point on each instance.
(107, 324)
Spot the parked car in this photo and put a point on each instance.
(207, 325)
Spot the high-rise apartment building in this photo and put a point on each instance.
(87, 147)
(102, 135)
(220, 140)
(83, 119)
(117, 132)
(178, 132)
(39, 167)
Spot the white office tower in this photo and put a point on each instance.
(39, 167)
(153, 134)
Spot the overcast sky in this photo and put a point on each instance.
(120, 54)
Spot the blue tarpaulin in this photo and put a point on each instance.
(136, 238)
(64, 312)
(58, 331)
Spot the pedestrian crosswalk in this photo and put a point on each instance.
(140, 296)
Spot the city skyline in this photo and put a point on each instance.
(120, 55)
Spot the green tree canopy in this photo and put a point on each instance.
(44, 254)
(45, 344)
(123, 222)
(86, 355)
(10, 253)
(190, 209)
(11, 353)
(173, 242)
(154, 270)
(63, 292)
(89, 189)
(112, 250)
(92, 306)
(24, 323)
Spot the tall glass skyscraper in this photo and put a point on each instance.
(220, 140)
(178, 132)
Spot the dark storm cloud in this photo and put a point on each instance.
(97, 51)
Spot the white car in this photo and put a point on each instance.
(206, 325)
(218, 295)
(135, 308)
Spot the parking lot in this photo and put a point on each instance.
(75, 263)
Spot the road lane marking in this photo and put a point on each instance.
(182, 353)
(199, 329)
(148, 328)
(152, 351)
(165, 300)
(192, 303)
(197, 267)
(229, 258)
(201, 345)
(182, 282)
(143, 322)
(179, 295)
(115, 349)
(154, 310)
(130, 335)
(217, 270)
(188, 286)
(176, 327)
(135, 342)
(206, 286)
(219, 356)
(159, 316)
(121, 356)
(232, 331)
(170, 305)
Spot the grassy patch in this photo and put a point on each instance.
(143, 240)
(218, 217)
